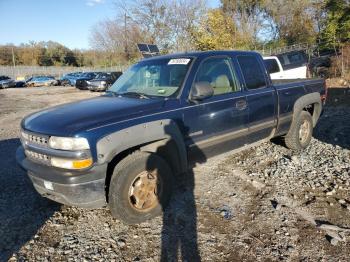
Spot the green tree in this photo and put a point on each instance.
(336, 26)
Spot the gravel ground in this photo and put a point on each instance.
(263, 204)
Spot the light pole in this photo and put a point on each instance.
(126, 38)
(13, 61)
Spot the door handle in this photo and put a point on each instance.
(241, 104)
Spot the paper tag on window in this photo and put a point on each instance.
(179, 61)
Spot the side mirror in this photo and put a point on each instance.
(201, 90)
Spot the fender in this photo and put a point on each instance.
(149, 136)
(302, 102)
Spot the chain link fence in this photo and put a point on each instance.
(20, 72)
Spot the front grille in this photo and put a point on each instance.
(29, 140)
(38, 140)
(81, 83)
(37, 157)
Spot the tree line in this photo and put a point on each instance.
(51, 54)
(183, 25)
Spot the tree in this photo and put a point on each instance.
(6, 54)
(216, 31)
(295, 20)
(336, 25)
(166, 23)
(250, 18)
(184, 17)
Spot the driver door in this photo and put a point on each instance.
(218, 122)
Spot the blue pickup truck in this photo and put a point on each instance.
(124, 148)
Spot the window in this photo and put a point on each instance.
(293, 59)
(252, 72)
(217, 71)
(271, 65)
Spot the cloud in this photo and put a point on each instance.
(94, 2)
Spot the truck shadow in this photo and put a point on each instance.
(179, 231)
(22, 210)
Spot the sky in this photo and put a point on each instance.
(68, 22)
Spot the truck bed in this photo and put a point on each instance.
(310, 85)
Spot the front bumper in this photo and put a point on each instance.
(74, 188)
(97, 88)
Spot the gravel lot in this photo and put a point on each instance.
(264, 203)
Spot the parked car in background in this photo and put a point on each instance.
(20, 83)
(6, 82)
(80, 82)
(41, 81)
(319, 66)
(70, 79)
(103, 81)
(290, 65)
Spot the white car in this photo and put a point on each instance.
(291, 65)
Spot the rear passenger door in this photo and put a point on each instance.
(261, 97)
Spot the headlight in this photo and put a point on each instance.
(68, 143)
(70, 163)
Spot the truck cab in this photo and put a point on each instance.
(289, 65)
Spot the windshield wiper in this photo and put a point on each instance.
(137, 94)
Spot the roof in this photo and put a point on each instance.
(200, 54)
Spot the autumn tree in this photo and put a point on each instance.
(216, 31)
(295, 20)
(6, 54)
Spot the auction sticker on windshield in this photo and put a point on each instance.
(179, 61)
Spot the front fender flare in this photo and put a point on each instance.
(139, 136)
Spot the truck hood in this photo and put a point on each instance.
(69, 119)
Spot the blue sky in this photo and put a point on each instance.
(65, 21)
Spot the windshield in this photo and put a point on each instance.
(88, 75)
(102, 76)
(160, 77)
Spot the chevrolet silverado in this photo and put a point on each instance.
(124, 148)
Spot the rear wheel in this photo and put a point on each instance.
(140, 187)
(300, 132)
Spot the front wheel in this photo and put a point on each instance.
(140, 187)
(300, 132)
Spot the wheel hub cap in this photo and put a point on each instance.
(143, 192)
(304, 131)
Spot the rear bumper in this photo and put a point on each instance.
(74, 188)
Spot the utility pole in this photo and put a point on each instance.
(126, 38)
(14, 62)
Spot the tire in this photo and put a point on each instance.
(300, 132)
(127, 182)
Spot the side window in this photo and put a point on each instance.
(217, 71)
(252, 72)
(271, 65)
(292, 59)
